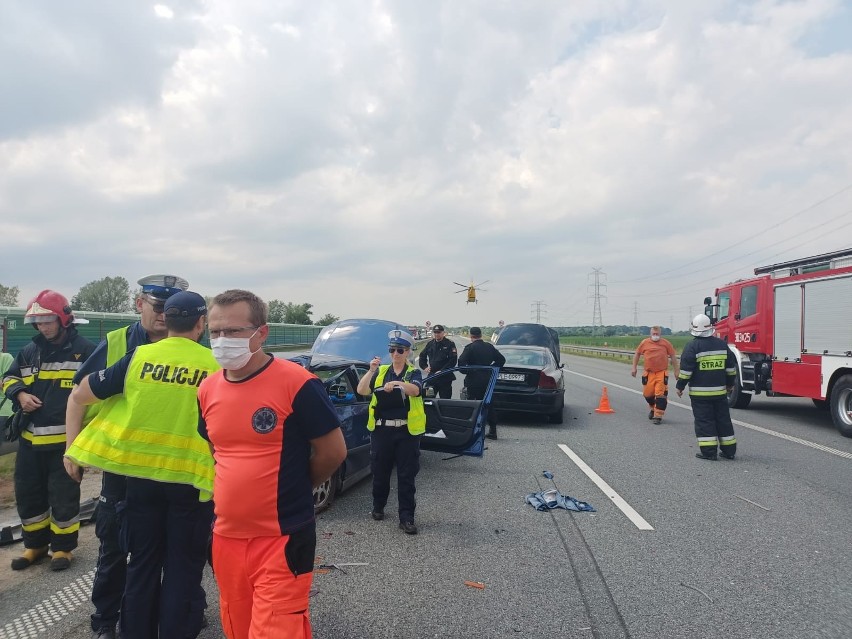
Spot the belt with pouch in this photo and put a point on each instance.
(391, 422)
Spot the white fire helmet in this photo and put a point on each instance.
(701, 326)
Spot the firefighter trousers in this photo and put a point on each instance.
(656, 391)
(48, 499)
(713, 426)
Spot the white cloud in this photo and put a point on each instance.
(364, 156)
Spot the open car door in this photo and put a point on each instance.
(456, 425)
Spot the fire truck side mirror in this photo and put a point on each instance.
(707, 301)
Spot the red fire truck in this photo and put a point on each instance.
(791, 330)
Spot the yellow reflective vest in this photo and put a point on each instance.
(151, 430)
(116, 349)
(416, 413)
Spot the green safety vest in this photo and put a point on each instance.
(151, 430)
(116, 349)
(416, 413)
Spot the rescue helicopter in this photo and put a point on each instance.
(471, 290)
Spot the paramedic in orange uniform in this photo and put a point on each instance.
(274, 435)
(657, 352)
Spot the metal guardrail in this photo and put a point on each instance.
(605, 352)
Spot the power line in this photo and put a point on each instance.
(536, 310)
(597, 319)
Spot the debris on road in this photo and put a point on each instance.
(475, 584)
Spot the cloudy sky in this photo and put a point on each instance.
(364, 155)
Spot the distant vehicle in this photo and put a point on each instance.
(530, 382)
(790, 330)
(529, 335)
(471, 290)
(339, 357)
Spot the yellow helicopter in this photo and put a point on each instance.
(471, 290)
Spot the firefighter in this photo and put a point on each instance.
(397, 421)
(657, 351)
(111, 569)
(39, 383)
(441, 353)
(710, 369)
(149, 433)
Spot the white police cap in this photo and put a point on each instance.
(399, 337)
(162, 287)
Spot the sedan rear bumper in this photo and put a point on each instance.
(541, 402)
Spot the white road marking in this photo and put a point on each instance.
(607, 490)
(41, 617)
(754, 427)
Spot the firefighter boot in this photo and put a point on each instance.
(61, 560)
(30, 557)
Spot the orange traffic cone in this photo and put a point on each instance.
(604, 406)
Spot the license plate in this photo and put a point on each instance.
(511, 377)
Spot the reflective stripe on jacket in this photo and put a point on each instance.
(416, 412)
(151, 431)
(708, 366)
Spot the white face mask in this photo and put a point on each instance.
(232, 353)
(655, 338)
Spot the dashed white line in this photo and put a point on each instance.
(616, 499)
(754, 427)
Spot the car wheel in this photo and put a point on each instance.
(737, 398)
(841, 405)
(325, 493)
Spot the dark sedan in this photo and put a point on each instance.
(339, 357)
(530, 382)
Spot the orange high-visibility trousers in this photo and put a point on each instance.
(656, 391)
(259, 596)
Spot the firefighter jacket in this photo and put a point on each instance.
(440, 355)
(708, 366)
(151, 432)
(416, 412)
(45, 370)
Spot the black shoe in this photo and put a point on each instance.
(657, 420)
(491, 434)
(651, 414)
(707, 457)
(103, 633)
(730, 456)
(408, 527)
(378, 515)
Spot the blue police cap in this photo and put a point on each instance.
(162, 287)
(185, 304)
(400, 338)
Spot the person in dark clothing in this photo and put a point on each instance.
(481, 353)
(441, 354)
(710, 369)
(111, 570)
(39, 383)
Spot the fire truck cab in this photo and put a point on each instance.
(790, 328)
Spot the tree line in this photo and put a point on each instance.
(113, 295)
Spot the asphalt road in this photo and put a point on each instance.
(757, 547)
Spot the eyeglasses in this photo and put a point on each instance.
(399, 350)
(230, 332)
(157, 308)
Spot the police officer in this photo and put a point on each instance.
(710, 369)
(111, 570)
(397, 420)
(481, 353)
(150, 435)
(441, 353)
(39, 382)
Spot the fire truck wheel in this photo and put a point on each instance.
(737, 398)
(841, 405)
